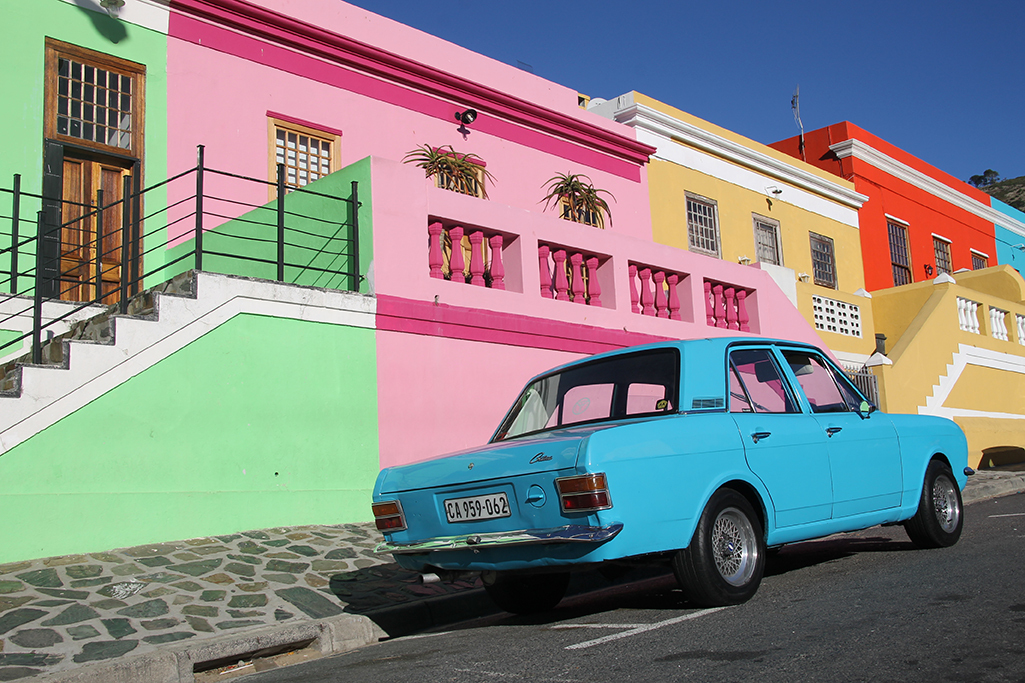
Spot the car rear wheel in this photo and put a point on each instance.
(940, 516)
(526, 593)
(726, 558)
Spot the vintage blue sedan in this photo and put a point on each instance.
(702, 454)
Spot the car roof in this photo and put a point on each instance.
(702, 365)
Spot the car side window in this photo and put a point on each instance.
(817, 382)
(766, 389)
(738, 398)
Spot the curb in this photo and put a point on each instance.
(178, 665)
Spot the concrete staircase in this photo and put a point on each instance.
(98, 353)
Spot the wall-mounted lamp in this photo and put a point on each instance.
(113, 7)
(743, 260)
(803, 277)
(464, 117)
(1019, 247)
(773, 190)
(928, 270)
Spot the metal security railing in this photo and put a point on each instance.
(102, 252)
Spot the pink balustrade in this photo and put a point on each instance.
(473, 257)
(653, 291)
(726, 306)
(568, 275)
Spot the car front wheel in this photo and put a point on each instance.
(939, 519)
(526, 593)
(726, 558)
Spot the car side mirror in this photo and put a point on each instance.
(865, 409)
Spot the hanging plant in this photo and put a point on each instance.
(452, 170)
(580, 200)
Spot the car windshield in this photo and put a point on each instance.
(635, 384)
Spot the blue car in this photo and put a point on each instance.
(701, 454)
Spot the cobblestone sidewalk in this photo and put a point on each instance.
(61, 612)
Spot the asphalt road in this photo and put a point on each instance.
(860, 607)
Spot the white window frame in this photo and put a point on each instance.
(773, 224)
(713, 207)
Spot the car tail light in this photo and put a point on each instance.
(388, 516)
(584, 493)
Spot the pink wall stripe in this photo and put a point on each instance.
(395, 314)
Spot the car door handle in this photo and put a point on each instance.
(757, 436)
(830, 431)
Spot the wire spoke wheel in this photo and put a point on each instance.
(944, 500)
(733, 539)
(724, 562)
(940, 516)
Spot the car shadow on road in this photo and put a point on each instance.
(810, 553)
(397, 601)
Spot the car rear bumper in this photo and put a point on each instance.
(571, 533)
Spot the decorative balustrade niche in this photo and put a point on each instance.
(997, 323)
(470, 256)
(654, 291)
(726, 306)
(569, 275)
(968, 315)
(1021, 328)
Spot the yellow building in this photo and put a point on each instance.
(956, 348)
(718, 193)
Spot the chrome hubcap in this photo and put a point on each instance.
(945, 504)
(734, 546)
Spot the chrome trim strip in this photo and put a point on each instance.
(571, 533)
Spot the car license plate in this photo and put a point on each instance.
(490, 506)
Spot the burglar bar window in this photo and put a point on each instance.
(900, 258)
(942, 249)
(702, 226)
(767, 241)
(823, 262)
(979, 261)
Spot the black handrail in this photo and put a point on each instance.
(136, 240)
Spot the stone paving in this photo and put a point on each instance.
(60, 612)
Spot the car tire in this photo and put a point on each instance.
(527, 593)
(726, 558)
(940, 516)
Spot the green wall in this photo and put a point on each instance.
(311, 222)
(262, 422)
(26, 25)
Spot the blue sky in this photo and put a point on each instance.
(942, 80)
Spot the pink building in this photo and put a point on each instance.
(251, 80)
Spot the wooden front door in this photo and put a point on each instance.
(91, 239)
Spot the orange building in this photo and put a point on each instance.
(918, 221)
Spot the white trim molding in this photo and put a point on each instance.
(643, 117)
(965, 356)
(867, 153)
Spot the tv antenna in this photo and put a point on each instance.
(795, 104)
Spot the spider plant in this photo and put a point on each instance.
(463, 173)
(581, 201)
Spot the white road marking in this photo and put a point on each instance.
(634, 629)
(424, 635)
(1010, 514)
(516, 676)
(599, 625)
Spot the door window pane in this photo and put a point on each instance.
(761, 378)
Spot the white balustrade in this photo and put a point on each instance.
(1021, 329)
(997, 323)
(968, 315)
